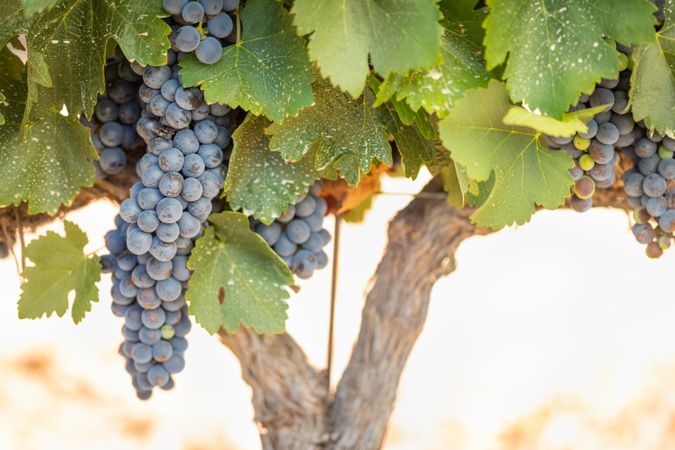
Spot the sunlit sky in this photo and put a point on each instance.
(555, 335)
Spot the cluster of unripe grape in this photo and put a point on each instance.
(649, 185)
(594, 150)
(203, 27)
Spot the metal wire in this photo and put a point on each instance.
(333, 297)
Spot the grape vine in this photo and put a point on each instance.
(236, 127)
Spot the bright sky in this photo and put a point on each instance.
(555, 335)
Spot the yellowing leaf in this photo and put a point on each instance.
(570, 124)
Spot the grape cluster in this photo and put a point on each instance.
(650, 187)
(202, 27)
(298, 235)
(180, 174)
(594, 151)
(154, 329)
(113, 127)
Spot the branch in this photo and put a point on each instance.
(423, 238)
(289, 395)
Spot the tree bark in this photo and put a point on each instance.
(289, 395)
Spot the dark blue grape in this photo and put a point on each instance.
(189, 99)
(167, 232)
(186, 39)
(171, 160)
(192, 189)
(106, 110)
(654, 185)
(113, 160)
(206, 131)
(186, 142)
(163, 251)
(192, 12)
(155, 76)
(111, 134)
(220, 26)
(174, 6)
(177, 117)
(151, 176)
(209, 51)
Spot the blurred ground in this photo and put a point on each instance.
(556, 336)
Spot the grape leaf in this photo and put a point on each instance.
(399, 35)
(45, 157)
(570, 124)
(69, 41)
(418, 118)
(653, 79)
(13, 20)
(526, 173)
(453, 177)
(34, 6)
(437, 88)
(415, 149)
(561, 47)
(267, 72)
(237, 278)
(60, 267)
(261, 182)
(346, 133)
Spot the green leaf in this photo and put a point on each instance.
(237, 278)
(570, 124)
(452, 176)
(34, 6)
(261, 182)
(69, 40)
(267, 72)
(415, 149)
(13, 20)
(653, 79)
(410, 117)
(557, 48)
(346, 133)
(60, 267)
(436, 89)
(45, 157)
(526, 173)
(399, 35)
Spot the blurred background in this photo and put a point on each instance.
(556, 335)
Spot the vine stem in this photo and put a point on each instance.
(236, 14)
